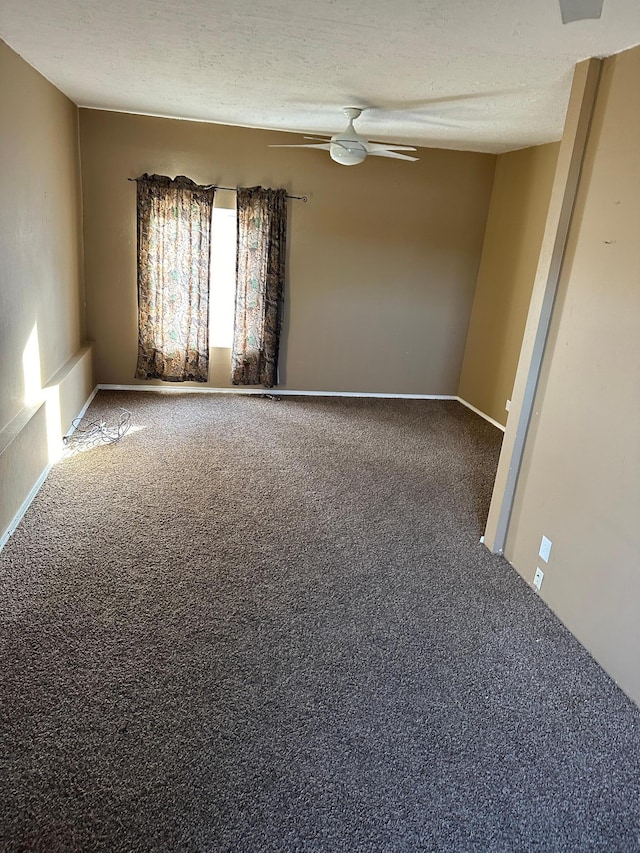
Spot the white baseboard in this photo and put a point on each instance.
(17, 518)
(482, 414)
(271, 392)
(275, 392)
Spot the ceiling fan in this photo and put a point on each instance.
(349, 148)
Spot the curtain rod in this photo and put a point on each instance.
(235, 190)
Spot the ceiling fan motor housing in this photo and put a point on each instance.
(347, 147)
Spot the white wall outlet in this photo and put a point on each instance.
(507, 405)
(538, 578)
(545, 549)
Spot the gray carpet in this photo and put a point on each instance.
(267, 625)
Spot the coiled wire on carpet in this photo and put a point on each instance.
(87, 433)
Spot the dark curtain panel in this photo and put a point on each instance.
(262, 226)
(174, 231)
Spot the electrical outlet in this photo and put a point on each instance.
(545, 549)
(507, 405)
(538, 578)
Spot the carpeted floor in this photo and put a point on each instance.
(267, 625)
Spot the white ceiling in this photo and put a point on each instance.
(482, 75)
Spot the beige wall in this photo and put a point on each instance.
(580, 480)
(515, 226)
(382, 264)
(41, 313)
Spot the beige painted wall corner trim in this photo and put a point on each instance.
(271, 392)
(563, 195)
(15, 426)
(63, 372)
(482, 414)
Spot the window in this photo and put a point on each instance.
(222, 293)
(192, 293)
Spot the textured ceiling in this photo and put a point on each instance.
(482, 75)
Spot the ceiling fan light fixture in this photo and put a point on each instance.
(347, 152)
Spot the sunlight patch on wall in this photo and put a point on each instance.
(54, 431)
(35, 394)
(31, 369)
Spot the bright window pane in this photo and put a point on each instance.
(223, 277)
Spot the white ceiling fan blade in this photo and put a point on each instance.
(580, 10)
(321, 146)
(382, 146)
(348, 148)
(393, 154)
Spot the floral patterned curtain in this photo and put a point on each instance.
(174, 230)
(262, 226)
